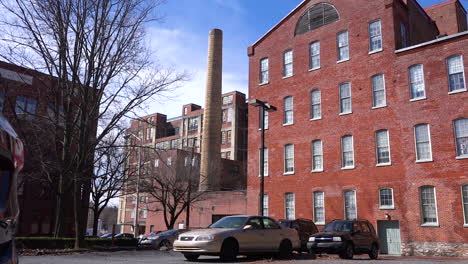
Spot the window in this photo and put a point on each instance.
(428, 205)
(156, 163)
(416, 78)
(289, 159)
(264, 71)
(382, 145)
(265, 161)
(193, 123)
(404, 41)
(350, 205)
(149, 133)
(317, 16)
(227, 116)
(461, 137)
(315, 105)
(456, 73)
(228, 155)
(317, 155)
(228, 137)
(2, 101)
(386, 198)
(378, 90)
(345, 98)
(265, 205)
(465, 202)
(423, 142)
(289, 206)
(347, 149)
(25, 107)
(265, 121)
(314, 53)
(319, 208)
(169, 161)
(288, 111)
(343, 46)
(288, 63)
(375, 36)
(227, 99)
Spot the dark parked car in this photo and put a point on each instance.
(346, 238)
(162, 239)
(305, 228)
(124, 235)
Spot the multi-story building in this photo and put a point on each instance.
(177, 142)
(372, 120)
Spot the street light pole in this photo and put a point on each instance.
(263, 106)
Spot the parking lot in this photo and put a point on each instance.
(163, 257)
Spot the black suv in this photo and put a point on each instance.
(346, 238)
(305, 228)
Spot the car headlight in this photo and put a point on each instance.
(312, 239)
(205, 238)
(337, 239)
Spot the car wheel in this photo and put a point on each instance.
(348, 252)
(312, 254)
(191, 257)
(285, 250)
(374, 252)
(165, 243)
(229, 250)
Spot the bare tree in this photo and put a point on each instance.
(102, 73)
(171, 183)
(109, 176)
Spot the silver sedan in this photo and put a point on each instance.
(234, 235)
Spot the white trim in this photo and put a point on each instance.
(284, 110)
(338, 47)
(320, 104)
(386, 207)
(432, 42)
(321, 154)
(416, 143)
(465, 214)
(463, 72)
(294, 205)
(288, 124)
(370, 37)
(462, 157)
(376, 51)
(342, 152)
(284, 160)
(288, 173)
(287, 77)
(310, 55)
(384, 90)
(262, 84)
(314, 69)
(344, 202)
(265, 173)
(436, 224)
(341, 61)
(284, 63)
(313, 208)
(314, 119)
(389, 151)
(350, 98)
(424, 83)
(346, 113)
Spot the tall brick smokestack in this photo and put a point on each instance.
(211, 137)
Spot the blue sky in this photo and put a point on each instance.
(180, 41)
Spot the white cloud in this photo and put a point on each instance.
(234, 5)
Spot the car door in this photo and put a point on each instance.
(274, 234)
(358, 236)
(252, 239)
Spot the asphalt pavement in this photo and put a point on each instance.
(169, 257)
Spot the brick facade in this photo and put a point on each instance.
(398, 115)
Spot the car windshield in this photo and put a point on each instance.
(230, 222)
(339, 226)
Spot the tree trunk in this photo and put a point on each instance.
(79, 239)
(59, 210)
(95, 219)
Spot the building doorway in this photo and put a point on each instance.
(389, 235)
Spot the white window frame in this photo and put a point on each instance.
(314, 55)
(376, 36)
(342, 98)
(284, 159)
(338, 47)
(410, 81)
(315, 210)
(265, 164)
(285, 111)
(386, 207)
(422, 207)
(463, 74)
(265, 205)
(318, 117)
(286, 63)
(458, 156)
(418, 160)
(262, 71)
(374, 106)
(343, 165)
(355, 204)
(156, 163)
(286, 206)
(265, 121)
(314, 155)
(377, 147)
(465, 212)
(169, 161)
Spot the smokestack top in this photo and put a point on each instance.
(216, 31)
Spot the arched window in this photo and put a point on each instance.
(319, 15)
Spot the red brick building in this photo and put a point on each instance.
(372, 120)
(174, 139)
